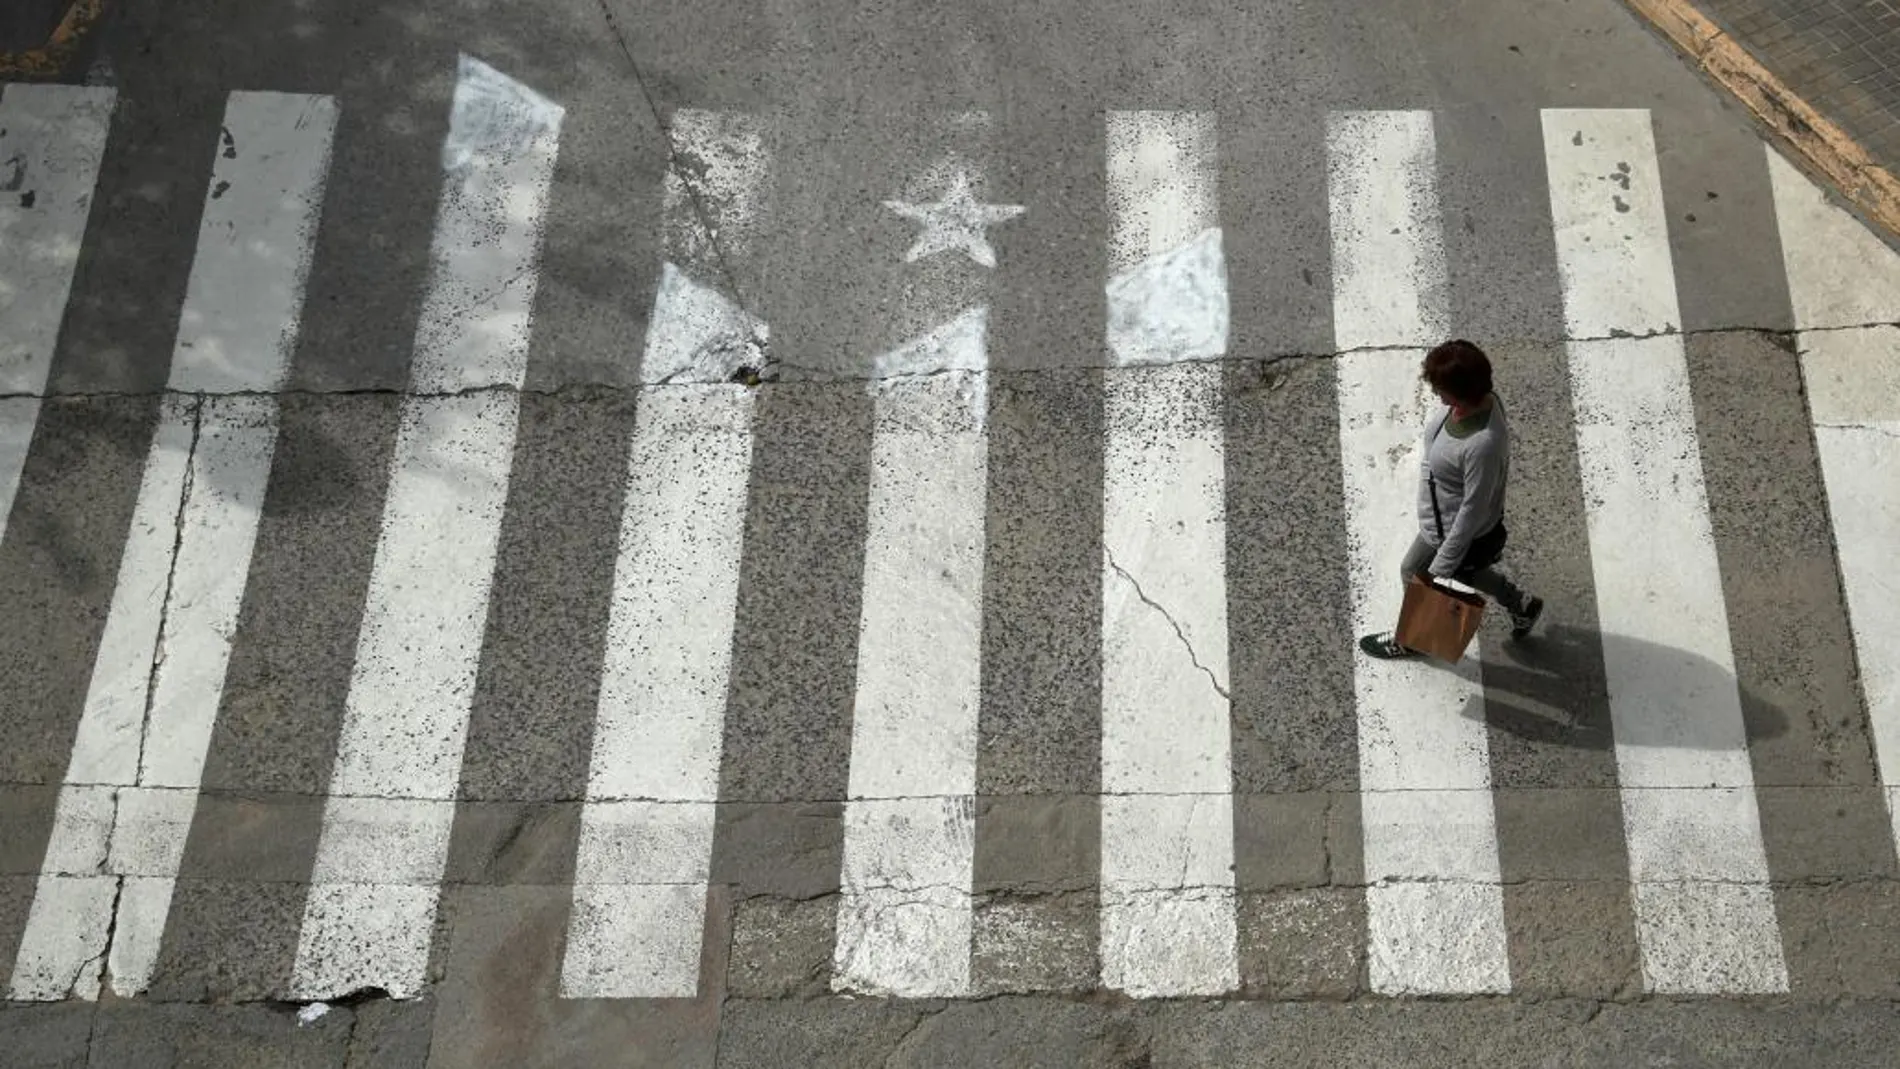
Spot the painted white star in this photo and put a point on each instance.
(955, 222)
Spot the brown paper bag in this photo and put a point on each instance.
(1438, 621)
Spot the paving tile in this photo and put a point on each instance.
(145, 1035)
(51, 1035)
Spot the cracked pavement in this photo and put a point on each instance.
(853, 99)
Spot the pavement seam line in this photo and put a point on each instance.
(571, 390)
(1819, 142)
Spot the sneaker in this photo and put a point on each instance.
(1385, 647)
(1522, 622)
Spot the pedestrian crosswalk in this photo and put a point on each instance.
(873, 495)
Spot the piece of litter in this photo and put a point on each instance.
(312, 1012)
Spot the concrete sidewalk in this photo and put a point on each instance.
(1822, 75)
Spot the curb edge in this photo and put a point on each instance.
(1819, 142)
(51, 59)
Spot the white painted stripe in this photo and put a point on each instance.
(1845, 287)
(647, 828)
(51, 141)
(245, 296)
(159, 674)
(1389, 276)
(498, 161)
(1435, 908)
(1168, 906)
(639, 918)
(17, 417)
(1705, 917)
(369, 917)
(384, 843)
(905, 915)
(139, 752)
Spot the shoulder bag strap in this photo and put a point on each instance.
(1432, 479)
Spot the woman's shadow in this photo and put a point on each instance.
(1555, 688)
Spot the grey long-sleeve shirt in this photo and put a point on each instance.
(1471, 473)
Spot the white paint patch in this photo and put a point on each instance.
(1845, 288)
(1168, 905)
(1172, 307)
(905, 914)
(647, 827)
(1705, 918)
(51, 141)
(370, 913)
(961, 344)
(1434, 904)
(697, 335)
(255, 242)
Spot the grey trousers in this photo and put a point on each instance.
(1487, 581)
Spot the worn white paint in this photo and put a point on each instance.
(713, 193)
(17, 417)
(639, 916)
(904, 917)
(710, 200)
(51, 140)
(1434, 905)
(371, 907)
(1845, 288)
(647, 826)
(159, 673)
(1168, 905)
(1705, 916)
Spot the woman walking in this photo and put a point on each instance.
(1461, 492)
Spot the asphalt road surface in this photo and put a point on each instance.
(582, 533)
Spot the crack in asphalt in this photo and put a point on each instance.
(822, 376)
(1109, 555)
(676, 160)
(925, 1013)
(165, 599)
(1871, 426)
